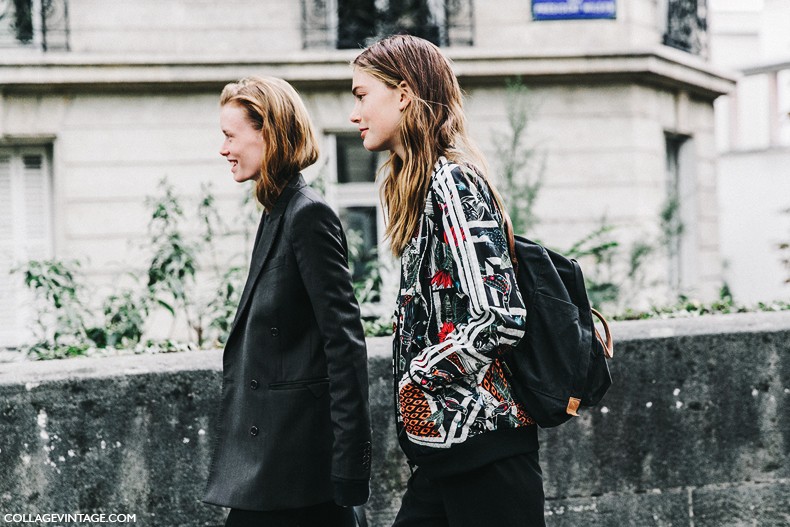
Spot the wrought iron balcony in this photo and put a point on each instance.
(38, 24)
(687, 26)
(351, 24)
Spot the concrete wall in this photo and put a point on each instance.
(693, 432)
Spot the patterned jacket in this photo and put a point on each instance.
(458, 309)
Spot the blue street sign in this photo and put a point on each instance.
(573, 9)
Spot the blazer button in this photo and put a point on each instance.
(254, 384)
(275, 332)
(254, 431)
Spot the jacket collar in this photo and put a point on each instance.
(297, 182)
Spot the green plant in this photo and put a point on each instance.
(520, 166)
(377, 327)
(171, 273)
(64, 322)
(688, 307)
(671, 223)
(364, 267)
(784, 253)
(207, 306)
(124, 320)
(59, 327)
(173, 264)
(601, 279)
(218, 300)
(222, 307)
(367, 280)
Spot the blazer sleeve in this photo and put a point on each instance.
(484, 279)
(319, 246)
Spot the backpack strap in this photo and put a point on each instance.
(608, 345)
(606, 342)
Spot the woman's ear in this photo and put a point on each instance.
(405, 95)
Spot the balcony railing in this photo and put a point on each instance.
(687, 26)
(351, 24)
(38, 24)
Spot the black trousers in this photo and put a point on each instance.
(323, 515)
(506, 493)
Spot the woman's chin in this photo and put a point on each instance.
(241, 178)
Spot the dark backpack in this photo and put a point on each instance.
(560, 364)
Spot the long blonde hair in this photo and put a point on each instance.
(290, 145)
(433, 125)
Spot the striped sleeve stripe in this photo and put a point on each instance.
(464, 253)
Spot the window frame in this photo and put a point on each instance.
(454, 22)
(355, 194)
(13, 328)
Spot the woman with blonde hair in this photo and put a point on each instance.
(458, 309)
(292, 441)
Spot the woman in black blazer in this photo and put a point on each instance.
(292, 442)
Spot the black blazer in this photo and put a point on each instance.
(294, 424)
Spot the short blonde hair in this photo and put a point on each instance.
(274, 107)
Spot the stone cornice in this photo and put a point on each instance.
(330, 70)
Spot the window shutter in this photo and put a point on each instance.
(25, 234)
(36, 207)
(6, 232)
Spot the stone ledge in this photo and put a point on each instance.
(759, 322)
(32, 373)
(14, 371)
(659, 65)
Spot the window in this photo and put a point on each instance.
(25, 230)
(351, 24)
(354, 163)
(355, 193)
(678, 216)
(40, 24)
(781, 115)
(686, 25)
(360, 224)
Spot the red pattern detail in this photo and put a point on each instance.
(442, 279)
(453, 357)
(447, 328)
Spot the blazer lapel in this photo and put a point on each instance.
(268, 230)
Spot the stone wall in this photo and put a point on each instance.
(693, 432)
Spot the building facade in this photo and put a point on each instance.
(753, 138)
(101, 100)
